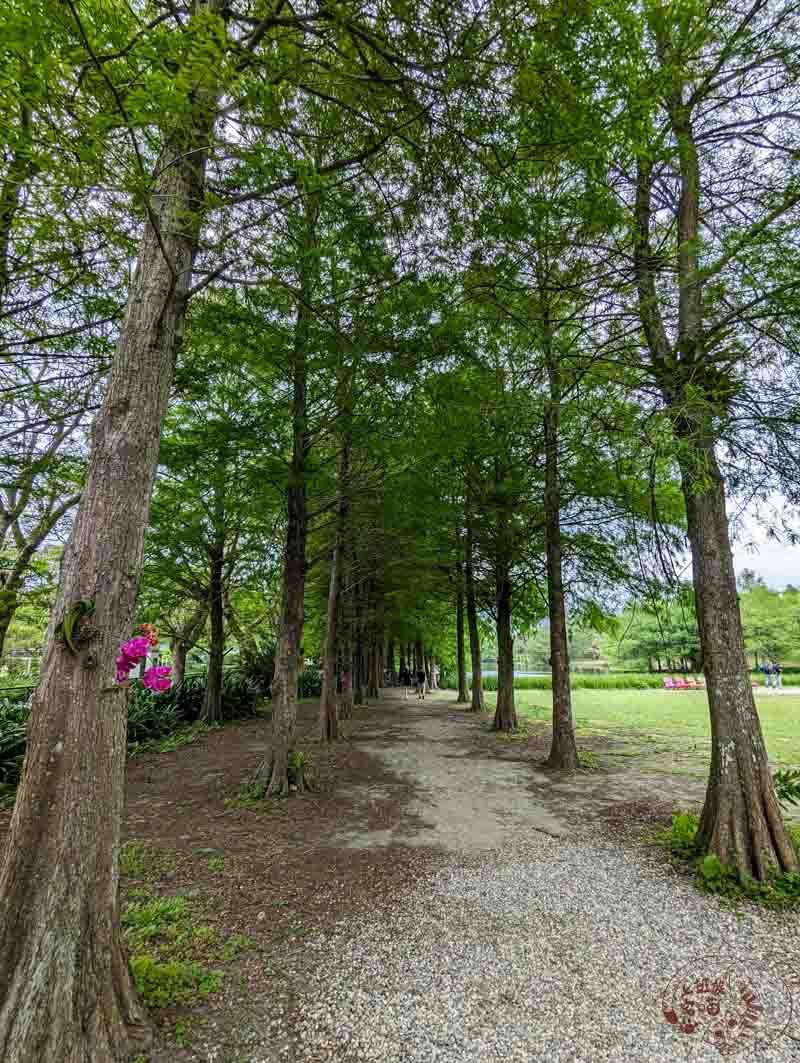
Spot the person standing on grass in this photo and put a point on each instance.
(776, 675)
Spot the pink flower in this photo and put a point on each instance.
(135, 648)
(124, 666)
(158, 678)
(130, 653)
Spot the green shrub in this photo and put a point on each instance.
(612, 681)
(310, 683)
(166, 985)
(787, 786)
(13, 725)
(259, 668)
(153, 917)
(240, 695)
(156, 722)
(712, 876)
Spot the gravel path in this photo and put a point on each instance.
(538, 939)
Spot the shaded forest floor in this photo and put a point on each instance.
(244, 887)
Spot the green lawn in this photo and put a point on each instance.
(656, 721)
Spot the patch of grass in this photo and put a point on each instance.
(153, 917)
(679, 718)
(171, 953)
(137, 860)
(216, 863)
(249, 795)
(588, 761)
(183, 736)
(166, 985)
(712, 876)
(181, 1034)
(234, 946)
(523, 731)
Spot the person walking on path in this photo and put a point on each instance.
(776, 675)
(422, 682)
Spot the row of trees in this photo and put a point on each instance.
(409, 312)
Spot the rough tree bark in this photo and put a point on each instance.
(328, 719)
(66, 992)
(358, 641)
(477, 701)
(741, 822)
(185, 639)
(460, 649)
(505, 716)
(346, 695)
(390, 663)
(211, 711)
(274, 770)
(372, 636)
(563, 750)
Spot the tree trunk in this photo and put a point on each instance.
(741, 821)
(346, 696)
(505, 716)
(563, 751)
(185, 639)
(390, 663)
(372, 636)
(66, 992)
(329, 724)
(477, 703)
(460, 649)
(6, 616)
(211, 711)
(274, 771)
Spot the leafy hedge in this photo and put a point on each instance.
(611, 681)
(620, 681)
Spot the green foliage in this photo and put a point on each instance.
(157, 723)
(171, 953)
(588, 761)
(310, 683)
(135, 859)
(620, 681)
(153, 918)
(249, 794)
(13, 725)
(787, 786)
(258, 667)
(712, 876)
(167, 985)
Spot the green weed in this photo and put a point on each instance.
(588, 761)
(712, 876)
(166, 985)
(136, 860)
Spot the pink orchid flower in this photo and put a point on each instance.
(157, 678)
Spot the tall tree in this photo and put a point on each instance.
(65, 988)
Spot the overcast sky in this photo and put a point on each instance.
(777, 562)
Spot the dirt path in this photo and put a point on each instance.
(438, 898)
(472, 790)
